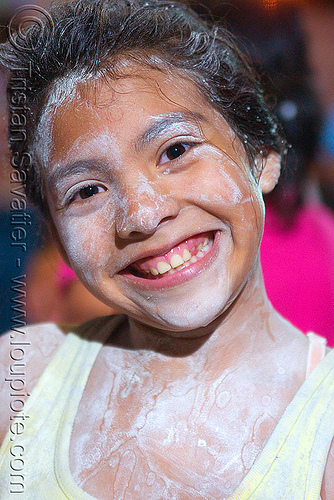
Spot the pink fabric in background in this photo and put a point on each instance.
(64, 275)
(298, 268)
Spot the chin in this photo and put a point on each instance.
(186, 315)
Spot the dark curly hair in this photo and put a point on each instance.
(86, 39)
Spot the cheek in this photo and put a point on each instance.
(228, 188)
(235, 199)
(88, 242)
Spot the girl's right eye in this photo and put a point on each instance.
(87, 192)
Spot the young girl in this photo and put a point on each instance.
(149, 147)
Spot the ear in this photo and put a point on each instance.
(268, 171)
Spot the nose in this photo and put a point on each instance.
(142, 209)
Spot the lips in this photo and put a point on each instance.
(183, 255)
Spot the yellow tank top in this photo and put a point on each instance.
(290, 466)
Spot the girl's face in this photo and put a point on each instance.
(153, 200)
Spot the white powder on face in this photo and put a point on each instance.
(88, 256)
(141, 206)
(97, 146)
(64, 90)
(195, 305)
(138, 204)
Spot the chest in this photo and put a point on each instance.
(135, 436)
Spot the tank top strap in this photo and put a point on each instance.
(316, 351)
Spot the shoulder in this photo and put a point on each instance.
(24, 354)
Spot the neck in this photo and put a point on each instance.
(232, 336)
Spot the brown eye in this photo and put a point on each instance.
(88, 191)
(175, 151)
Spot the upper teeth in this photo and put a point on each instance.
(163, 267)
(153, 271)
(177, 261)
(186, 255)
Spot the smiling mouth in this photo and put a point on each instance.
(183, 255)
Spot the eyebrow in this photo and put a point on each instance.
(163, 123)
(76, 168)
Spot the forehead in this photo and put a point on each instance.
(125, 108)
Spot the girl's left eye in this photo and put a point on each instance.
(174, 151)
(87, 192)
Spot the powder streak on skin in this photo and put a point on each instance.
(169, 424)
